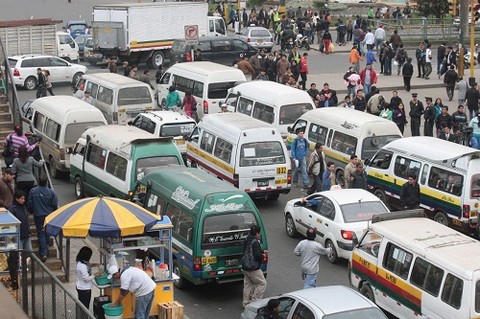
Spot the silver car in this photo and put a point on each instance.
(329, 302)
(257, 37)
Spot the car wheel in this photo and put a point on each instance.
(30, 83)
(54, 172)
(381, 195)
(290, 226)
(76, 77)
(367, 292)
(442, 218)
(332, 257)
(181, 282)
(79, 191)
(156, 60)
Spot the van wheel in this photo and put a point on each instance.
(156, 60)
(30, 83)
(332, 257)
(181, 282)
(54, 172)
(290, 226)
(76, 77)
(193, 164)
(340, 176)
(367, 292)
(79, 191)
(441, 218)
(381, 195)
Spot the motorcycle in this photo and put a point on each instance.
(466, 58)
(302, 41)
(288, 45)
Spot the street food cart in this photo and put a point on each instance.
(151, 252)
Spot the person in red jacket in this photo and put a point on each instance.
(368, 77)
(304, 70)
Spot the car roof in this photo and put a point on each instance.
(168, 116)
(331, 299)
(26, 56)
(348, 196)
(204, 39)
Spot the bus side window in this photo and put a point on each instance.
(397, 260)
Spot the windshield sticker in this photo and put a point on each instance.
(249, 152)
(181, 196)
(225, 237)
(219, 208)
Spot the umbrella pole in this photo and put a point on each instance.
(67, 262)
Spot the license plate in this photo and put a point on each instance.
(180, 142)
(280, 181)
(262, 183)
(281, 170)
(209, 260)
(260, 41)
(231, 262)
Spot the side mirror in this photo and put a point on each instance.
(188, 138)
(289, 129)
(354, 240)
(69, 150)
(366, 161)
(297, 204)
(130, 123)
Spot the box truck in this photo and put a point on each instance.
(144, 32)
(37, 36)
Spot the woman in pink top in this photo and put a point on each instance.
(189, 105)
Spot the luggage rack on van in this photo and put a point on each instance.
(410, 213)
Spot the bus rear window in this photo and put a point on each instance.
(134, 95)
(290, 113)
(219, 90)
(261, 153)
(177, 129)
(475, 186)
(227, 229)
(372, 144)
(154, 162)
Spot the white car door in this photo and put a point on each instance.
(60, 70)
(306, 215)
(325, 220)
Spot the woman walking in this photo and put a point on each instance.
(48, 82)
(22, 167)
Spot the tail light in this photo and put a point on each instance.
(466, 211)
(197, 263)
(205, 107)
(475, 193)
(16, 72)
(248, 39)
(188, 57)
(289, 177)
(271, 39)
(347, 234)
(235, 180)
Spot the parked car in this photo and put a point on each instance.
(81, 39)
(24, 69)
(336, 214)
(257, 37)
(223, 50)
(332, 302)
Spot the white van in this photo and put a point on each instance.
(270, 102)
(344, 132)
(209, 83)
(413, 267)
(166, 124)
(245, 152)
(109, 160)
(60, 120)
(120, 98)
(448, 175)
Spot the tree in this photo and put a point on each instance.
(438, 8)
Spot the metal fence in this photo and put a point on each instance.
(9, 85)
(44, 296)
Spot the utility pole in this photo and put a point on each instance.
(463, 34)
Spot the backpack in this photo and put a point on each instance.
(8, 149)
(390, 53)
(248, 259)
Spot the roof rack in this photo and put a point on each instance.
(411, 213)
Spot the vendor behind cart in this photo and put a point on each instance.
(137, 282)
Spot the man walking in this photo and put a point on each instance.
(368, 77)
(410, 193)
(441, 53)
(298, 154)
(416, 112)
(420, 55)
(316, 166)
(450, 79)
(41, 84)
(472, 96)
(429, 116)
(309, 251)
(462, 87)
(6, 188)
(304, 70)
(350, 169)
(254, 282)
(407, 72)
(42, 200)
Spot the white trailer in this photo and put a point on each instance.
(144, 32)
(37, 36)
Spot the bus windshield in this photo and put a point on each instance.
(229, 229)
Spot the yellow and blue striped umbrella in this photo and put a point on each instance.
(100, 217)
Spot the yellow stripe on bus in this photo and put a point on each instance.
(210, 159)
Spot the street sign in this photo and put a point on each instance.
(191, 34)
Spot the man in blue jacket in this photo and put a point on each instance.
(298, 154)
(42, 200)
